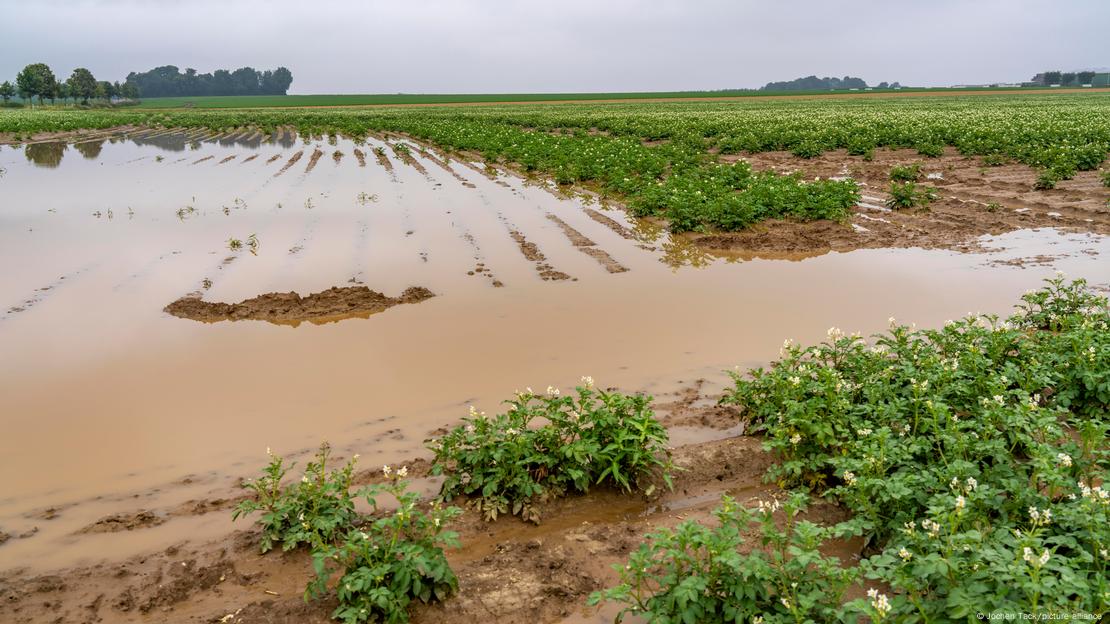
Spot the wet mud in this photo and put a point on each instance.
(530, 251)
(292, 161)
(588, 247)
(509, 571)
(336, 303)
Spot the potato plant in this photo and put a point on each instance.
(905, 173)
(318, 508)
(384, 560)
(909, 195)
(695, 573)
(545, 446)
(395, 559)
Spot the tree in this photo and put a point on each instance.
(1086, 77)
(810, 83)
(1067, 78)
(276, 82)
(1051, 77)
(36, 79)
(169, 81)
(129, 91)
(7, 91)
(82, 84)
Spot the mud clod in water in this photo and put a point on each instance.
(124, 522)
(330, 305)
(533, 253)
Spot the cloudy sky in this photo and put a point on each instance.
(507, 46)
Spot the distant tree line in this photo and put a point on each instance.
(813, 83)
(169, 81)
(37, 80)
(1065, 79)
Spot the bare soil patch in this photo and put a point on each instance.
(124, 522)
(533, 253)
(290, 308)
(317, 154)
(360, 156)
(610, 223)
(407, 158)
(383, 160)
(588, 246)
(292, 161)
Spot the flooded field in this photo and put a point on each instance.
(111, 406)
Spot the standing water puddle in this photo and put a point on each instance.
(109, 404)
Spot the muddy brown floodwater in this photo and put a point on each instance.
(125, 429)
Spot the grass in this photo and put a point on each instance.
(384, 99)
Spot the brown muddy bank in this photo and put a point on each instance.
(284, 308)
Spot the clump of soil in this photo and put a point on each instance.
(317, 154)
(533, 253)
(124, 522)
(4, 537)
(292, 161)
(588, 246)
(383, 160)
(333, 304)
(610, 223)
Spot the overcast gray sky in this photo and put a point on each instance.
(485, 46)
